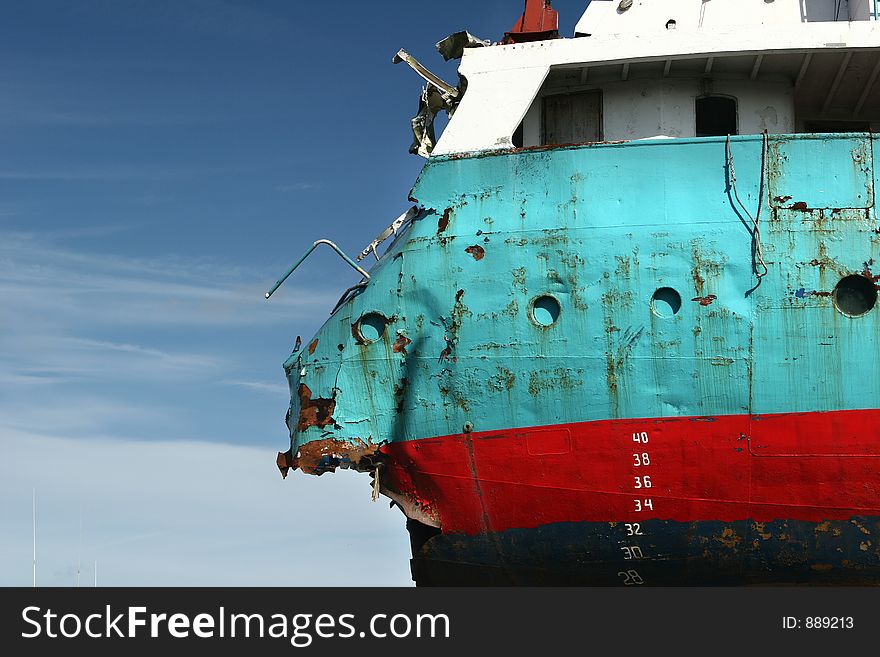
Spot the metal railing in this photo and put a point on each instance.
(305, 255)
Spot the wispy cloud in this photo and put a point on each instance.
(85, 358)
(111, 174)
(79, 232)
(279, 389)
(303, 186)
(73, 414)
(92, 343)
(175, 360)
(39, 280)
(30, 377)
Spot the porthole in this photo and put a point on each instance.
(369, 328)
(855, 295)
(666, 302)
(545, 310)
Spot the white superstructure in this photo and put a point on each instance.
(676, 68)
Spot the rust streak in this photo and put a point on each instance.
(529, 149)
(867, 273)
(705, 301)
(447, 350)
(451, 337)
(400, 394)
(312, 346)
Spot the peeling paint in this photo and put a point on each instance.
(503, 379)
(477, 251)
(705, 301)
(400, 344)
(443, 221)
(325, 455)
(316, 412)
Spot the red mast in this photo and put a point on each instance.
(538, 22)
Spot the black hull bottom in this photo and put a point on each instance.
(654, 553)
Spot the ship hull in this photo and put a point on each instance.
(700, 553)
(782, 498)
(578, 339)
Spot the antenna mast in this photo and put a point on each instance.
(79, 546)
(35, 536)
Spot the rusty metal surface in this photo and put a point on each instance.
(320, 456)
(463, 352)
(314, 412)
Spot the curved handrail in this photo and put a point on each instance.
(305, 255)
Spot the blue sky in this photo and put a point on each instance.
(161, 163)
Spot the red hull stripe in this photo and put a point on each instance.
(795, 466)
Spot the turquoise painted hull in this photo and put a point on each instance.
(600, 229)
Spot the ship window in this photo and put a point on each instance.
(573, 118)
(370, 328)
(716, 116)
(666, 302)
(545, 310)
(855, 295)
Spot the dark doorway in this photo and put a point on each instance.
(573, 118)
